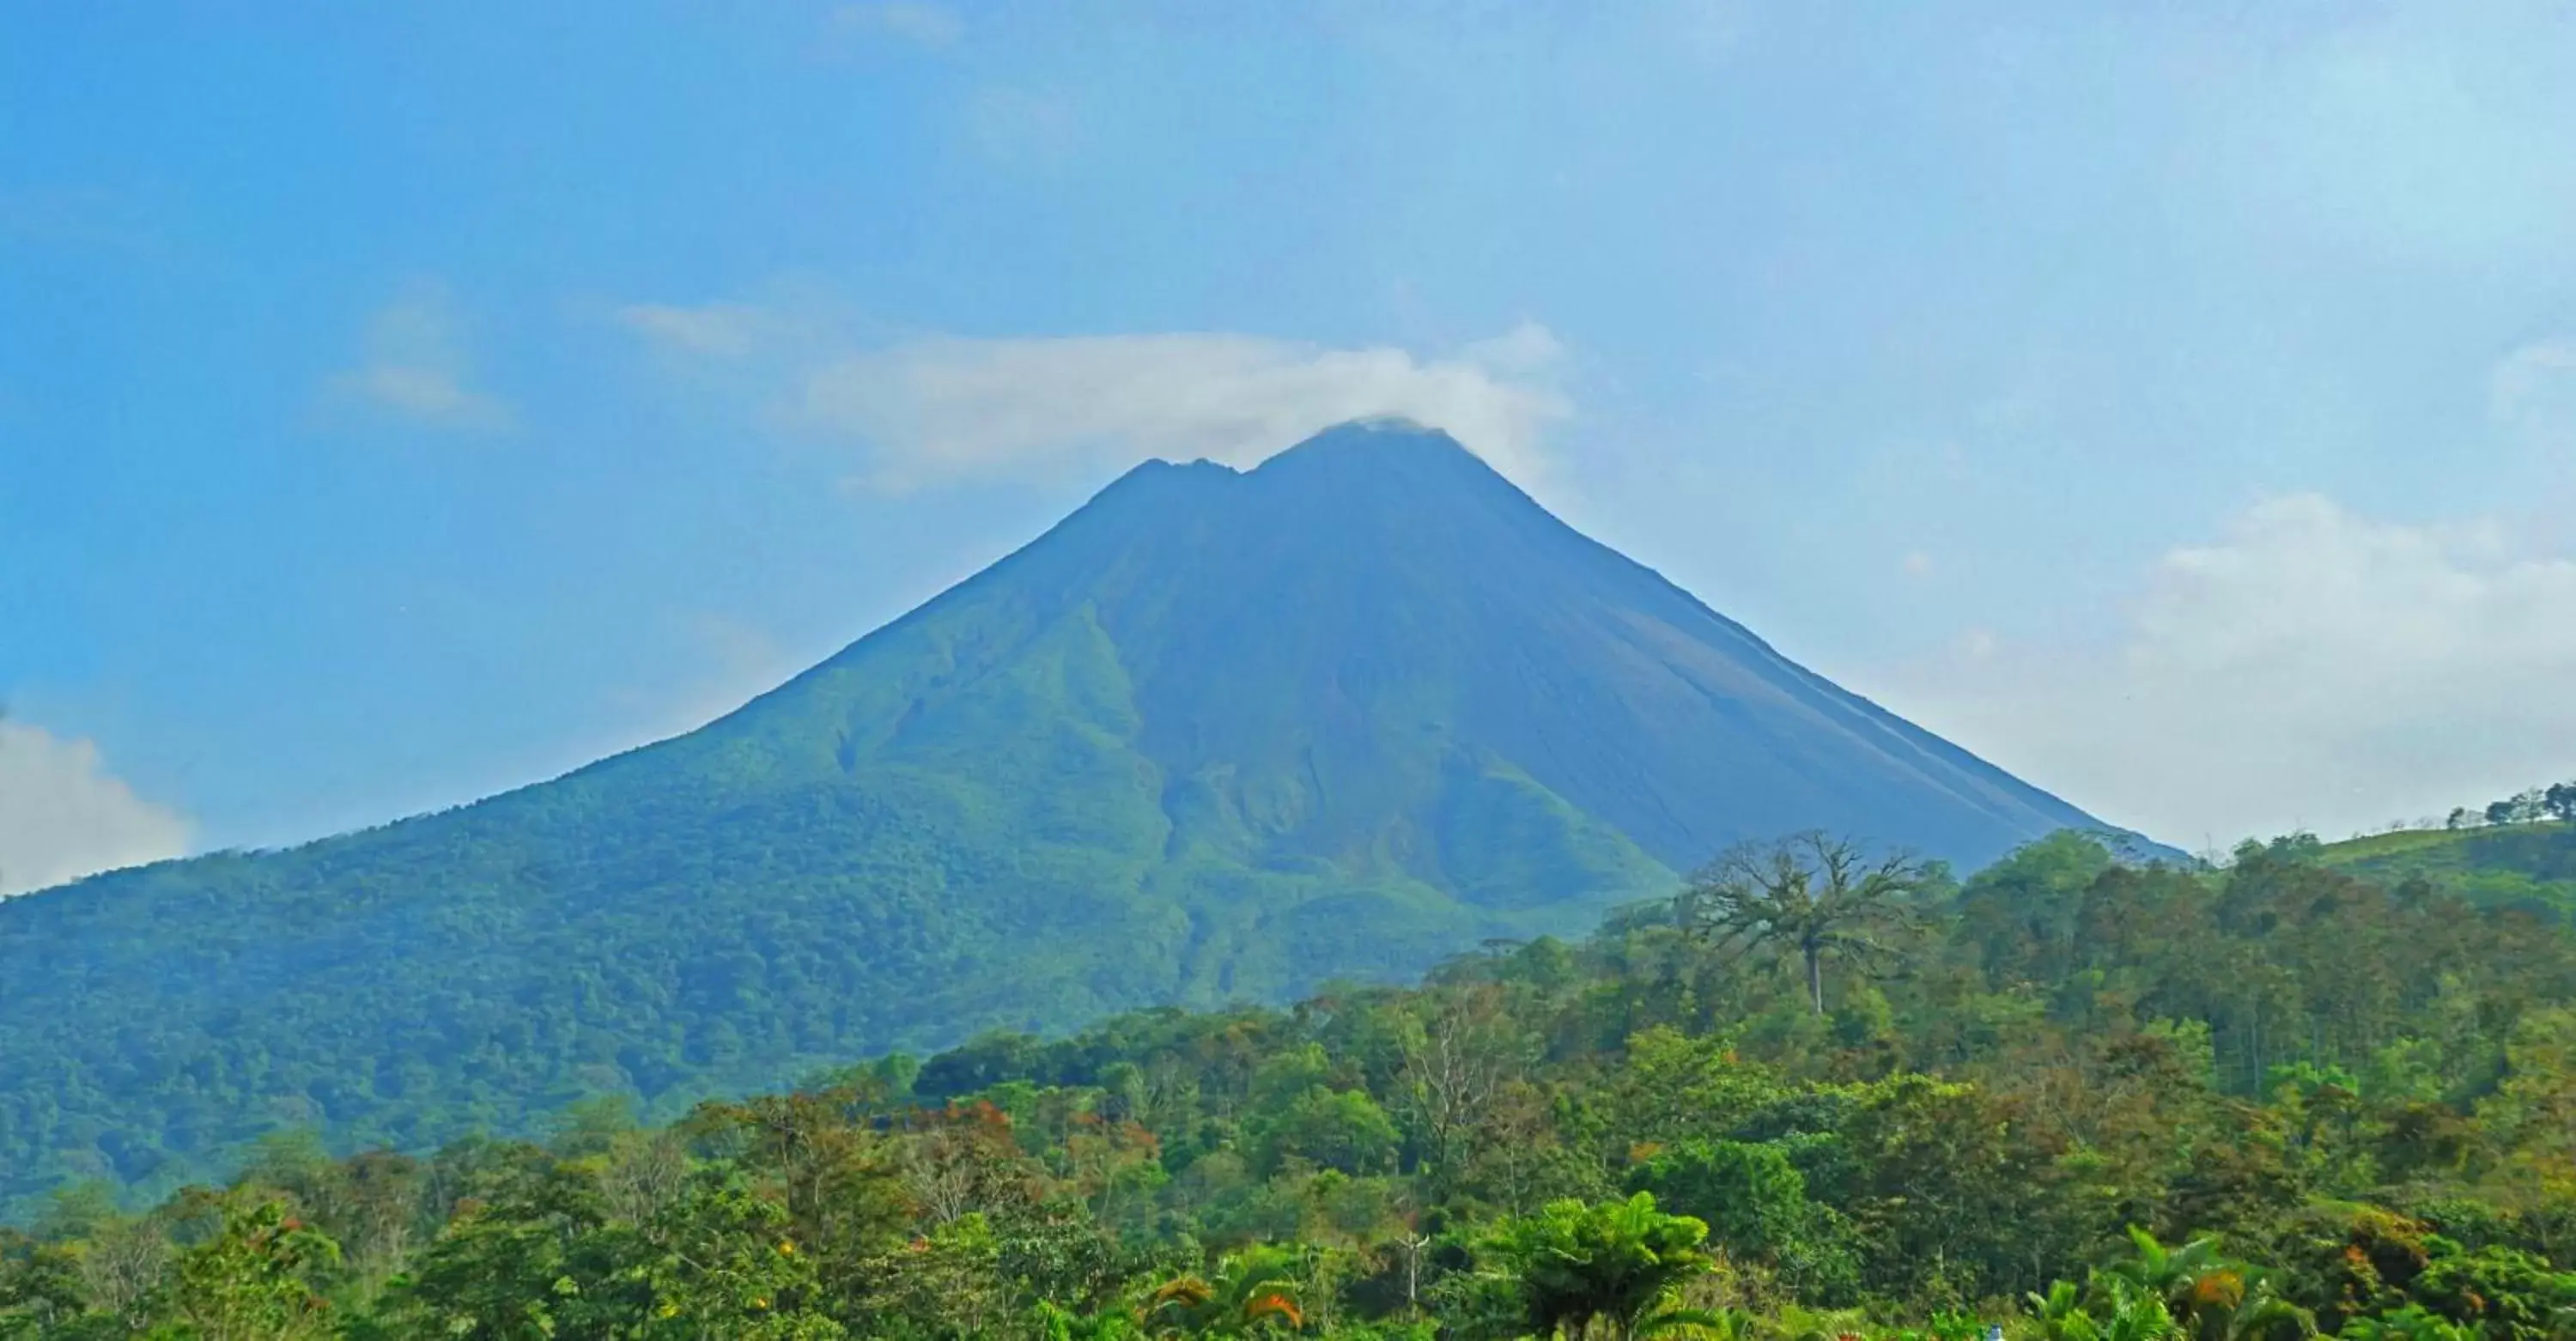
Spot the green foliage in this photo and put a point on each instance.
(2411, 1323)
(1257, 1291)
(1623, 1263)
(1810, 899)
(1332, 1129)
(2526, 865)
(2503, 1293)
(1754, 1201)
(2114, 1310)
(41, 1290)
(2151, 1104)
(257, 1279)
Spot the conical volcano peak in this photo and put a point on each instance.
(1155, 477)
(1389, 458)
(1216, 736)
(1378, 428)
(1382, 450)
(1356, 442)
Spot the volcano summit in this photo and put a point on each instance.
(1217, 734)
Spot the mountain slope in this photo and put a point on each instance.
(2530, 866)
(1215, 735)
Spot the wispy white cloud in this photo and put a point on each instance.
(2531, 396)
(2441, 131)
(82, 217)
(64, 816)
(1029, 130)
(414, 366)
(2312, 668)
(934, 26)
(717, 330)
(934, 410)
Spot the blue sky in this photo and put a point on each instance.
(399, 402)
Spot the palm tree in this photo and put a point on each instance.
(1622, 1265)
(1063, 1324)
(2196, 1271)
(2115, 1309)
(1253, 1291)
(2213, 1297)
(2411, 1323)
(1808, 895)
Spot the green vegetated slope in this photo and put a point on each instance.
(1216, 736)
(2530, 865)
(2075, 1099)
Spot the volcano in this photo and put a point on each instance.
(1218, 735)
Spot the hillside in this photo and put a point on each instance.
(2521, 865)
(1217, 735)
(2333, 1108)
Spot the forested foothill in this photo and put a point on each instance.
(1823, 1092)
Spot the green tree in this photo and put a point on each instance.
(1952, 1195)
(2503, 1293)
(1622, 1264)
(257, 1279)
(1331, 1129)
(2411, 1323)
(1811, 897)
(2114, 1310)
(534, 1260)
(1255, 1291)
(2212, 1296)
(721, 1264)
(40, 1288)
(1755, 1203)
(1054, 1322)
(944, 1284)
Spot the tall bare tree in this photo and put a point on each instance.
(1461, 1047)
(1812, 896)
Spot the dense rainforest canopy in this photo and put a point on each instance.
(2073, 1098)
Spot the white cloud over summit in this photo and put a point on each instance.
(942, 409)
(64, 816)
(2311, 668)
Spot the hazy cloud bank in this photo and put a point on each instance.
(2311, 668)
(934, 410)
(64, 816)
